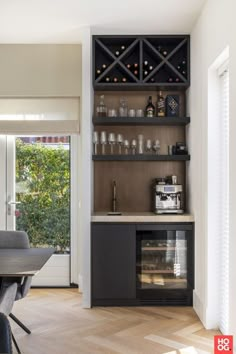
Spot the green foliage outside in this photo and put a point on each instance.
(43, 188)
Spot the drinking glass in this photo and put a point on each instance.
(112, 112)
(149, 145)
(112, 141)
(131, 112)
(133, 146)
(95, 141)
(120, 142)
(103, 141)
(139, 112)
(156, 146)
(126, 146)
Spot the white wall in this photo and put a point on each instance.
(86, 168)
(40, 70)
(51, 70)
(213, 32)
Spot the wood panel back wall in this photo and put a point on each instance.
(134, 180)
(168, 135)
(136, 99)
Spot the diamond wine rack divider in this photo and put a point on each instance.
(141, 62)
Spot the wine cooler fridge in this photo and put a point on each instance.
(165, 264)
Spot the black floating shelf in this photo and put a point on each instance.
(141, 87)
(141, 121)
(141, 157)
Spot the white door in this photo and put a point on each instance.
(38, 196)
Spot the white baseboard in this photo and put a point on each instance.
(208, 320)
(199, 308)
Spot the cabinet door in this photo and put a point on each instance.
(113, 261)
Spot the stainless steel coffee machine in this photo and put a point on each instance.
(168, 196)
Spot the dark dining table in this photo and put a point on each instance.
(23, 262)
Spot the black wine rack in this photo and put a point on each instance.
(141, 62)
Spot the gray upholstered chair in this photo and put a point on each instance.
(5, 335)
(16, 239)
(7, 298)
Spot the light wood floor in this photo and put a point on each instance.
(59, 325)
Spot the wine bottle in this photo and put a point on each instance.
(184, 72)
(184, 62)
(135, 72)
(135, 65)
(150, 109)
(128, 66)
(177, 79)
(107, 79)
(115, 79)
(122, 47)
(104, 66)
(150, 67)
(145, 64)
(164, 52)
(152, 79)
(179, 67)
(124, 79)
(117, 53)
(98, 71)
(145, 73)
(160, 105)
(170, 79)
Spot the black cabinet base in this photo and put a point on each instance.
(171, 298)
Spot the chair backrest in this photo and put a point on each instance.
(7, 298)
(5, 335)
(14, 239)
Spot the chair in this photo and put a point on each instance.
(16, 239)
(7, 298)
(5, 335)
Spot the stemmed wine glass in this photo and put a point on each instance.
(120, 141)
(156, 146)
(149, 145)
(133, 146)
(103, 141)
(95, 141)
(111, 141)
(140, 143)
(126, 146)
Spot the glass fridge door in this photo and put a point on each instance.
(162, 260)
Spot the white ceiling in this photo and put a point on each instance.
(61, 21)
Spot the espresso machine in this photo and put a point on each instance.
(168, 196)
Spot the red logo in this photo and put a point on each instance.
(223, 344)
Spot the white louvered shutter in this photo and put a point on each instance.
(224, 234)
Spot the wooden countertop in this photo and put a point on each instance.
(141, 217)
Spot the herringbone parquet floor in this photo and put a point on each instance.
(60, 326)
